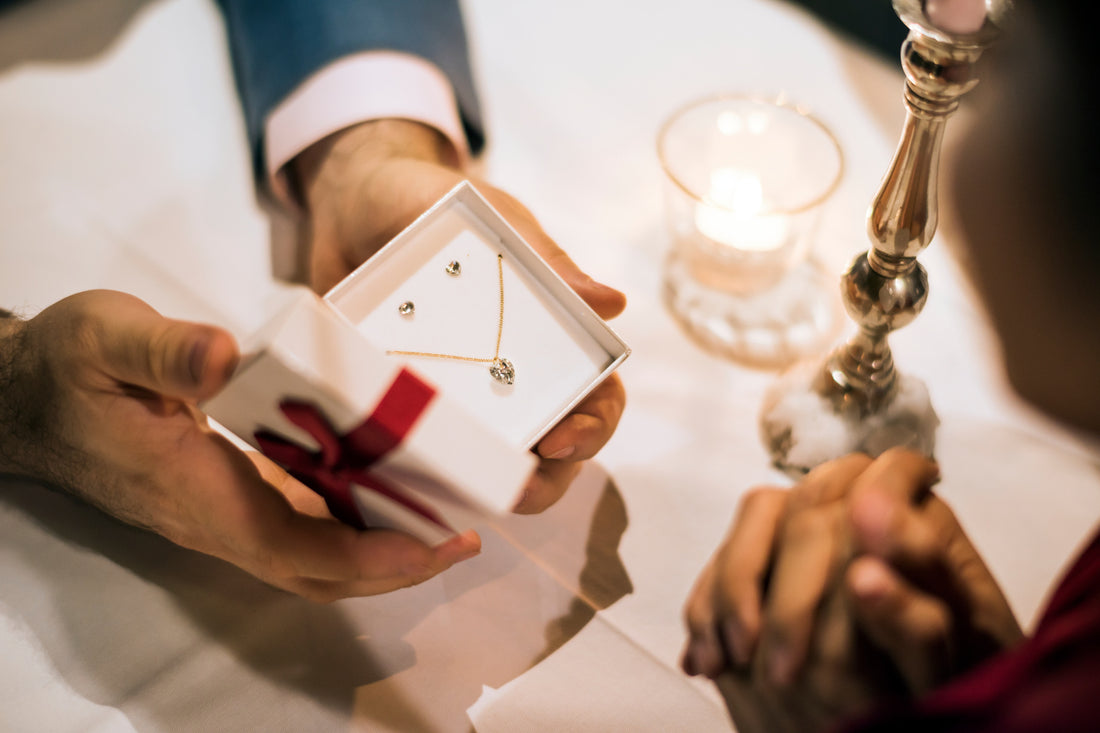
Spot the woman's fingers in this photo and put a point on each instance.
(811, 544)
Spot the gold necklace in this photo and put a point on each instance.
(500, 368)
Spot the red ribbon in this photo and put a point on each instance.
(346, 459)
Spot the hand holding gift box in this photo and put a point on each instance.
(99, 398)
(366, 184)
(411, 398)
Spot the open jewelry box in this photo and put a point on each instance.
(459, 287)
(427, 440)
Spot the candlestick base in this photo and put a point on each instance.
(797, 316)
(803, 428)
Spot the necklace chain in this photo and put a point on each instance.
(500, 330)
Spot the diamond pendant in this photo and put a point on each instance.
(502, 371)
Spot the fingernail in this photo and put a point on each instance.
(739, 646)
(196, 361)
(688, 664)
(458, 549)
(868, 582)
(563, 453)
(518, 508)
(705, 659)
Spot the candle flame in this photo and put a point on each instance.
(731, 213)
(737, 190)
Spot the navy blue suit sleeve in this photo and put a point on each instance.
(278, 44)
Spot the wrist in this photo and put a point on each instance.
(11, 328)
(327, 170)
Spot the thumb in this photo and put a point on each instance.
(177, 358)
(604, 299)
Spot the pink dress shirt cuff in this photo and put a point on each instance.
(365, 86)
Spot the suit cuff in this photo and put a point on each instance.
(365, 86)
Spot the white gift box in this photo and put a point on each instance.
(427, 445)
(440, 459)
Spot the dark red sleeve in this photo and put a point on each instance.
(1050, 683)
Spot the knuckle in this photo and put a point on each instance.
(760, 497)
(418, 578)
(805, 524)
(894, 456)
(272, 562)
(419, 571)
(859, 457)
(697, 615)
(276, 565)
(745, 614)
(85, 331)
(609, 399)
(803, 496)
(896, 453)
(858, 461)
(158, 356)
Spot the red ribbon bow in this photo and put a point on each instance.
(346, 459)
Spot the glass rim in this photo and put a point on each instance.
(776, 101)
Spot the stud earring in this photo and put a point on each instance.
(407, 308)
(454, 268)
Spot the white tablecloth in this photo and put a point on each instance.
(124, 166)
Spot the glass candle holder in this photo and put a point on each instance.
(745, 180)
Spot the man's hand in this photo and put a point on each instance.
(856, 585)
(98, 395)
(363, 185)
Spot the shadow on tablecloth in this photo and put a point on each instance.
(179, 641)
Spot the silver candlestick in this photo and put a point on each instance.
(857, 401)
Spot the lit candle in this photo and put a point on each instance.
(956, 16)
(731, 214)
